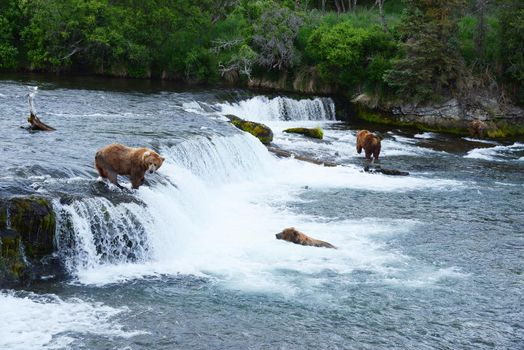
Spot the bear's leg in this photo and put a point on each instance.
(101, 171)
(137, 181)
(376, 153)
(368, 154)
(112, 176)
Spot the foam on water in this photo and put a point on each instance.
(31, 321)
(497, 153)
(480, 140)
(425, 135)
(215, 213)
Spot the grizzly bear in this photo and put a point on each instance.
(116, 159)
(292, 235)
(370, 143)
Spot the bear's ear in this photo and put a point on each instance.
(162, 158)
(146, 154)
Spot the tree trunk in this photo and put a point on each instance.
(337, 6)
(480, 33)
(382, 15)
(37, 124)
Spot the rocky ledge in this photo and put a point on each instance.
(479, 116)
(27, 236)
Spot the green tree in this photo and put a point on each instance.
(348, 57)
(10, 18)
(430, 65)
(274, 34)
(512, 52)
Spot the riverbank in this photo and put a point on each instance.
(481, 115)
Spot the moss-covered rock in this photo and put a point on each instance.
(316, 133)
(13, 265)
(260, 131)
(27, 234)
(34, 220)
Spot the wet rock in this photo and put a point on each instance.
(287, 154)
(316, 133)
(480, 114)
(380, 170)
(27, 234)
(260, 131)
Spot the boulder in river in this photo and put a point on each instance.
(260, 131)
(379, 169)
(316, 133)
(27, 235)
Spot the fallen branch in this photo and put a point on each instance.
(37, 124)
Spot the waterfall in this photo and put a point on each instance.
(95, 232)
(261, 108)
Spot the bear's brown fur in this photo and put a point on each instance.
(116, 159)
(292, 235)
(370, 143)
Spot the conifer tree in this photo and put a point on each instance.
(431, 64)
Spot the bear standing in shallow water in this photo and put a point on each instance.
(370, 143)
(116, 159)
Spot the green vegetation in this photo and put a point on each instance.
(408, 50)
(260, 131)
(316, 133)
(27, 233)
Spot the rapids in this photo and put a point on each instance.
(190, 260)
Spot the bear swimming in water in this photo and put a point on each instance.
(292, 235)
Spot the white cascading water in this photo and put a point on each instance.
(94, 232)
(213, 210)
(261, 108)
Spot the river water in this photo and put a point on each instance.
(433, 260)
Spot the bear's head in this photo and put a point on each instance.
(152, 161)
(289, 234)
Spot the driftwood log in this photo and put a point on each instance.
(287, 154)
(37, 124)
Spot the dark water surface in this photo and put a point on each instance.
(434, 260)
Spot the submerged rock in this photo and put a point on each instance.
(287, 154)
(316, 133)
(27, 235)
(379, 169)
(260, 131)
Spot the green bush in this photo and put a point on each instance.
(348, 56)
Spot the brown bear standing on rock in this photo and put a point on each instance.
(116, 159)
(292, 235)
(370, 143)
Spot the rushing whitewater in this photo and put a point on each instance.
(261, 108)
(190, 260)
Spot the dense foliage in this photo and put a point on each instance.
(417, 50)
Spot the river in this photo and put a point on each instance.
(433, 260)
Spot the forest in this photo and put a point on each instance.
(412, 50)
